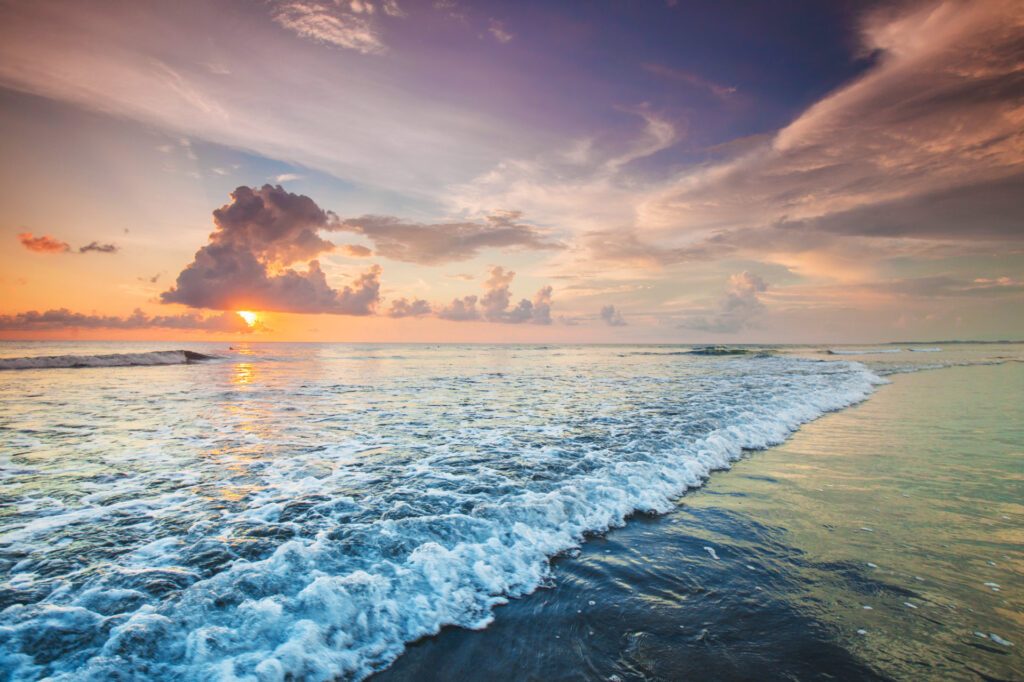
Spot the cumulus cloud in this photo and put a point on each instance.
(403, 307)
(460, 310)
(43, 244)
(496, 303)
(432, 244)
(737, 309)
(63, 318)
(245, 265)
(612, 317)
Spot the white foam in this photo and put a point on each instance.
(443, 542)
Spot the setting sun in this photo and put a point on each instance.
(249, 317)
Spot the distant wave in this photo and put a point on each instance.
(157, 357)
(925, 350)
(866, 351)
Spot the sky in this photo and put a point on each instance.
(612, 171)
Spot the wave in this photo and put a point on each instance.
(456, 532)
(925, 350)
(157, 357)
(866, 351)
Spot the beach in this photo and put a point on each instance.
(880, 542)
(323, 511)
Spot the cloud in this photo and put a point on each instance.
(405, 308)
(625, 247)
(947, 286)
(98, 248)
(460, 310)
(612, 317)
(432, 244)
(63, 318)
(940, 111)
(287, 177)
(737, 309)
(257, 235)
(48, 244)
(44, 244)
(355, 251)
(691, 79)
(340, 24)
(497, 29)
(496, 303)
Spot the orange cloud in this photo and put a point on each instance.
(44, 244)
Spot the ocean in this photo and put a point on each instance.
(312, 511)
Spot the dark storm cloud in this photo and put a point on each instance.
(432, 244)
(257, 235)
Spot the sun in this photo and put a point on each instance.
(250, 317)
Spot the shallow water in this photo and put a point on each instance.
(915, 497)
(310, 509)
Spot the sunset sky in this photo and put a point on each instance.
(620, 171)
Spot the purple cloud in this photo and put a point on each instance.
(63, 318)
(257, 235)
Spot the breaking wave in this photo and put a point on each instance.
(158, 357)
(426, 502)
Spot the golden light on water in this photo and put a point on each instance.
(249, 317)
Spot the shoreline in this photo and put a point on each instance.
(780, 586)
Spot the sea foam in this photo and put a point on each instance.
(433, 506)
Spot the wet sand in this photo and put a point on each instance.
(885, 541)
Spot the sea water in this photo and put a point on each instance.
(309, 510)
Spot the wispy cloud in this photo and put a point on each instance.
(691, 79)
(431, 244)
(97, 247)
(341, 24)
(43, 244)
(500, 33)
(48, 244)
